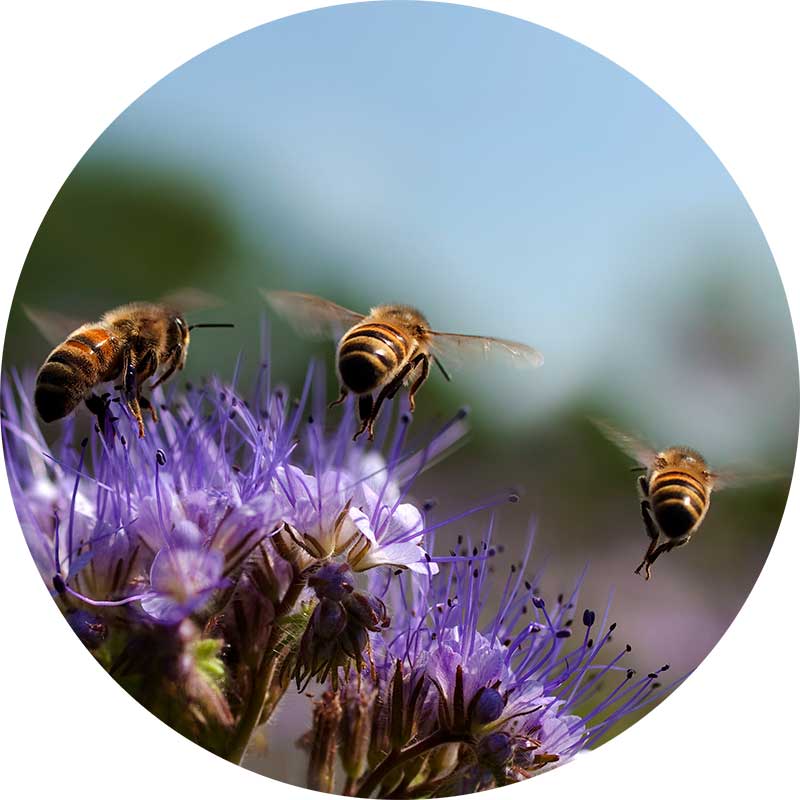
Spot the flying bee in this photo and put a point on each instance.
(392, 346)
(129, 343)
(675, 491)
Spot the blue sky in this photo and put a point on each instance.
(510, 182)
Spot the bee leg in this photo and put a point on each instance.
(175, 362)
(654, 553)
(422, 358)
(644, 486)
(652, 532)
(146, 369)
(648, 559)
(99, 406)
(146, 405)
(647, 516)
(340, 399)
(135, 409)
(365, 411)
(130, 389)
(389, 391)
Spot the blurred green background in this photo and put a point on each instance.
(508, 182)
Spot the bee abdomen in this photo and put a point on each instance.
(70, 371)
(59, 388)
(368, 355)
(679, 501)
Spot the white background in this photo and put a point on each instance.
(70, 68)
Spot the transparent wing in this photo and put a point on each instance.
(311, 315)
(188, 299)
(635, 448)
(455, 348)
(745, 475)
(55, 327)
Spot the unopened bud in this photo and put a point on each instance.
(332, 581)
(366, 610)
(486, 706)
(355, 732)
(324, 734)
(495, 750)
(328, 620)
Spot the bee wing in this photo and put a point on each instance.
(188, 299)
(638, 450)
(55, 327)
(739, 477)
(311, 315)
(455, 348)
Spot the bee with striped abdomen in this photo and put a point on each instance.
(675, 491)
(129, 343)
(388, 348)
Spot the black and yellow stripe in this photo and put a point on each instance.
(679, 501)
(70, 371)
(369, 354)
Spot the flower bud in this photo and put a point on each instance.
(328, 620)
(354, 641)
(486, 706)
(357, 718)
(321, 764)
(495, 750)
(332, 581)
(366, 610)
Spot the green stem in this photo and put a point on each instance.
(252, 713)
(397, 758)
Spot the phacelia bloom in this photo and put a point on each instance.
(227, 511)
(244, 545)
(479, 684)
(178, 512)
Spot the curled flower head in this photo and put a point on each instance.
(338, 629)
(484, 684)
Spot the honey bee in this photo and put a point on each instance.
(129, 343)
(675, 491)
(392, 346)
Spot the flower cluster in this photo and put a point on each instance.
(472, 691)
(245, 544)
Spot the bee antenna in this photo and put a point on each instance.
(212, 325)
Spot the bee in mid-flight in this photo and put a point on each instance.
(393, 345)
(675, 491)
(129, 344)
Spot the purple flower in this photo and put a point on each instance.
(243, 543)
(487, 683)
(168, 521)
(183, 577)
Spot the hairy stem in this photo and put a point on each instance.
(269, 662)
(397, 758)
